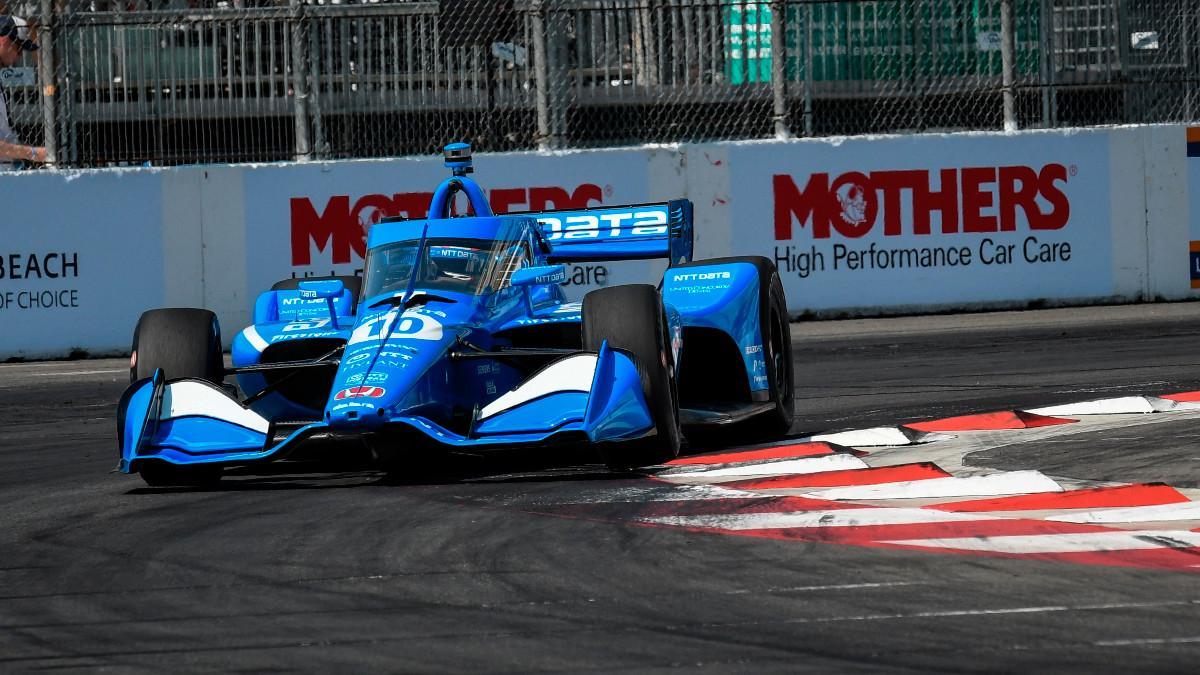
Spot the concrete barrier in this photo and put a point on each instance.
(860, 226)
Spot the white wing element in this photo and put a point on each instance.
(574, 373)
(186, 399)
(255, 340)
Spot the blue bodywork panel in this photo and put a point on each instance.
(426, 355)
(725, 297)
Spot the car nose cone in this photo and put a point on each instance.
(356, 416)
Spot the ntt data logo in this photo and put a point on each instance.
(702, 276)
(971, 199)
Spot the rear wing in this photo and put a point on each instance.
(634, 232)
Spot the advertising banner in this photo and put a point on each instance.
(1193, 177)
(927, 221)
(312, 219)
(864, 225)
(79, 261)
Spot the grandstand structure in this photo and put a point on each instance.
(187, 81)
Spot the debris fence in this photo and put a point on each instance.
(120, 83)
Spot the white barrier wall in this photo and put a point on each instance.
(80, 257)
(857, 226)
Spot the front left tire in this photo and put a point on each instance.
(631, 318)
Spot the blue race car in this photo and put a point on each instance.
(458, 337)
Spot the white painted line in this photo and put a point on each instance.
(953, 613)
(81, 372)
(1135, 514)
(826, 587)
(1148, 641)
(874, 437)
(994, 485)
(769, 590)
(837, 462)
(828, 518)
(1124, 405)
(1065, 543)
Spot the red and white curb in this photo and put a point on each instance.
(907, 487)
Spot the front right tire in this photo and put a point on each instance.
(184, 343)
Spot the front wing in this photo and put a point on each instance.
(597, 396)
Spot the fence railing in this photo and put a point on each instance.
(301, 81)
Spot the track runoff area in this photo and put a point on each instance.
(973, 492)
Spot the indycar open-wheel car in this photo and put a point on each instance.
(458, 337)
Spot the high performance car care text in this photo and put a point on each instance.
(1018, 214)
(803, 262)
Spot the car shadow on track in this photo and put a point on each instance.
(342, 467)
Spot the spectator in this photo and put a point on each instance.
(14, 40)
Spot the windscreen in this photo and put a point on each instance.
(458, 265)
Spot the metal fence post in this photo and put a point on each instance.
(1008, 58)
(1129, 89)
(550, 75)
(779, 70)
(47, 76)
(921, 72)
(312, 33)
(1046, 60)
(557, 39)
(808, 69)
(541, 76)
(299, 81)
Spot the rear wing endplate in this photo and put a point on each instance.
(634, 232)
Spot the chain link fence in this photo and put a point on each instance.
(181, 81)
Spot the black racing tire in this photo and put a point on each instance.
(352, 283)
(777, 348)
(777, 351)
(631, 318)
(162, 474)
(183, 342)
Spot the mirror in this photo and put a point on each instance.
(325, 288)
(537, 276)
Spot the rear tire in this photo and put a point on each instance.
(631, 318)
(777, 352)
(182, 342)
(162, 474)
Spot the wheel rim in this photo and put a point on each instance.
(782, 388)
(669, 363)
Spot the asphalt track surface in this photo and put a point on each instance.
(340, 569)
